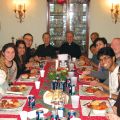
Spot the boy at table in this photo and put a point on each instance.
(107, 59)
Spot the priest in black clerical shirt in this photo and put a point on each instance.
(45, 50)
(69, 47)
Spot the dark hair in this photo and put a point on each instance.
(46, 33)
(28, 35)
(8, 45)
(18, 42)
(70, 32)
(106, 51)
(103, 40)
(92, 45)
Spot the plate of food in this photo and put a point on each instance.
(98, 107)
(55, 96)
(29, 77)
(82, 62)
(90, 89)
(86, 79)
(10, 104)
(18, 88)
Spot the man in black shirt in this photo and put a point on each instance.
(28, 38)
(45, 50)
(69, 47)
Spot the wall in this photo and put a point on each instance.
(36, 20)
(101, 21)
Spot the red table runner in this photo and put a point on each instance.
(36, 92)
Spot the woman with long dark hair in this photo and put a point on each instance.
(20, 57)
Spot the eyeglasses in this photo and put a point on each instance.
(105, 58)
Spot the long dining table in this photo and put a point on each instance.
(45, 85)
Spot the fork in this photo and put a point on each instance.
(88, 102)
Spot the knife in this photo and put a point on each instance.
(85, 103)
(90, 112)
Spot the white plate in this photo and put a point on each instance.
(33, 78)
(84, 87)
(13, 108)
(9, 91)
(23, 93)
(48, 100)
(86, 110)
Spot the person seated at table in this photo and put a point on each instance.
(7, 59)
(90, 61)
(20, 57)
(115, 114)
(93, 36)
(3, 82)
(101, 73)
(99, 43)
(107, 58)
(45, 50)
(115, 44)
(70, 47)
(28, 38)
(93, 51)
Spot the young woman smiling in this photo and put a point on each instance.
(8, 54)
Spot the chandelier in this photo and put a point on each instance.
(20, 9)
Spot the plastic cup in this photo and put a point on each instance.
(73, 59)
(70, 74)
(81, 77)
(71, 66)
(75, 101)
(23, 115)
(37, 84)
(42, 73)
(73, 81)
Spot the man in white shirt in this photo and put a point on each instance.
(107, 59)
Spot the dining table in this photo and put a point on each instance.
(45, 85)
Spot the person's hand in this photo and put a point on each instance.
(100, 93)
(86, 72)
(112, 116)
(28, 65)
(94, 83)
(36, 58)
